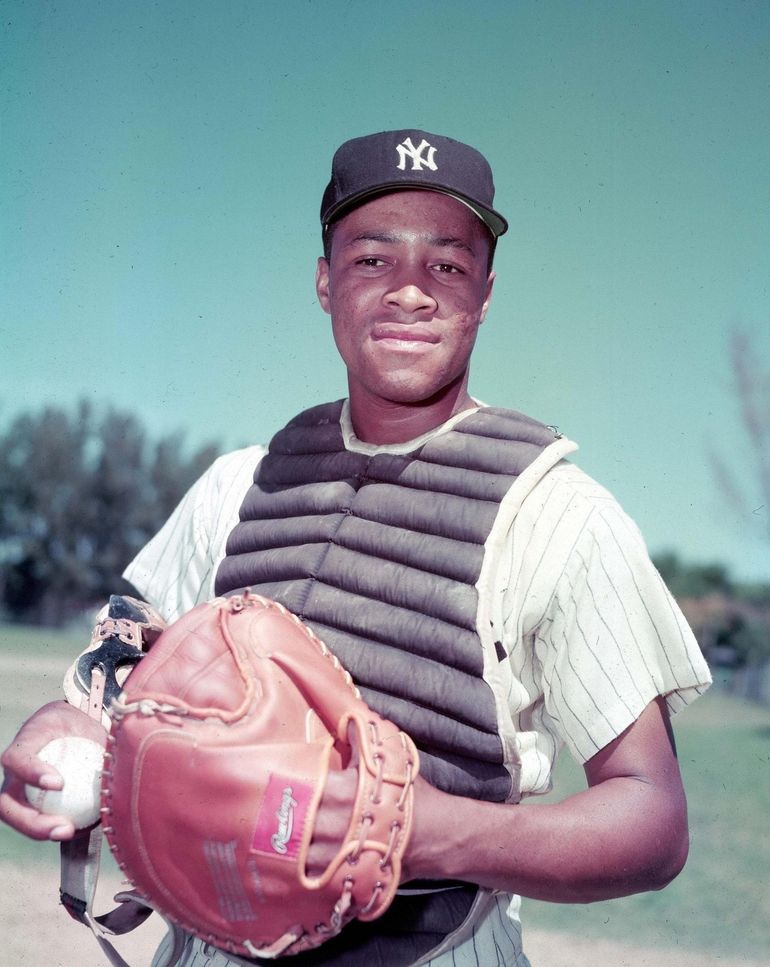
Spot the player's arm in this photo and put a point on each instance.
(21, 765)
(626, 833)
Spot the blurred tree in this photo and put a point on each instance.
(751, 381)
(691, 580)
(79, 495)
(730, 620)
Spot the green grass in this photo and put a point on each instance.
(32, 664)
(720, 902)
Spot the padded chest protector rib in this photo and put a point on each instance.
(380, 554)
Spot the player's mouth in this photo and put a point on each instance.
(406, 336)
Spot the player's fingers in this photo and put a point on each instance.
(339, 795)
(19, 763)
(333, 820)
(54, 720)
(23, 817)
(354, 744)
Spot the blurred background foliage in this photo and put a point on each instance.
(80, 493)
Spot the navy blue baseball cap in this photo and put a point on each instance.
(391, 160)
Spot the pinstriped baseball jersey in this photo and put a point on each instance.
(588, 633)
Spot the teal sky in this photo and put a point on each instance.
(162, 168)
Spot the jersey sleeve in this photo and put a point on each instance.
(608, 638)
(177, 568)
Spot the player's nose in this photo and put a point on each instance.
(410, 296)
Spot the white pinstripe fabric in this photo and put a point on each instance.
(591, 633)
(176, 569)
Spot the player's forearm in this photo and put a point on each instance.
(621, 837)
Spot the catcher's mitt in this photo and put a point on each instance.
(221, 743)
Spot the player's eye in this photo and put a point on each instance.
(446, 268)
(370, 261)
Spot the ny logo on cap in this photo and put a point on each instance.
(407, 149)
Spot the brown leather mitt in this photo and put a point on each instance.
(221, 743)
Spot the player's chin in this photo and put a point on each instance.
(430, 390)
(413, 384)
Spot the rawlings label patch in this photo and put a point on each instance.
(281, 817)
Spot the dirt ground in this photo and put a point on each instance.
(38, 933)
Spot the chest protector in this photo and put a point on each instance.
(380, 554)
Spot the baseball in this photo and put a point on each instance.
(79, 762)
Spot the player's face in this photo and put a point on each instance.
(407, 288)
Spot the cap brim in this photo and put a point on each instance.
(492, 219)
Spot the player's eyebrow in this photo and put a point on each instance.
(393, 238)
(374, 237)
(451, 242)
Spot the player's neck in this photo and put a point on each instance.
(381, 421)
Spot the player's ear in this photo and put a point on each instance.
(322, 283)
(487, 296)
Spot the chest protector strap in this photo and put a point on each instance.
(380, 554)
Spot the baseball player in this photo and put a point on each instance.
(486, 595)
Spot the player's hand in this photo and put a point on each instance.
(22, 766)
(334, 816)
